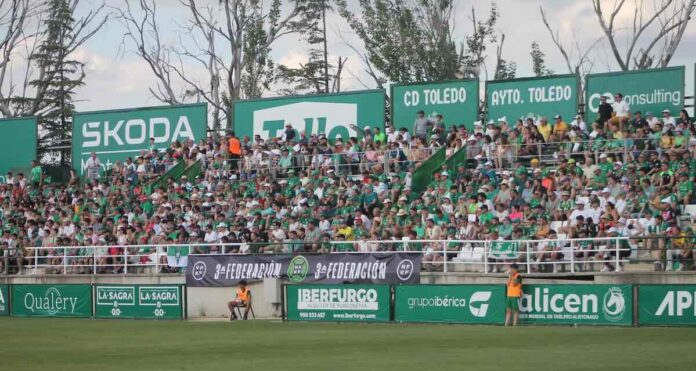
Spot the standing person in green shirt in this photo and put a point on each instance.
(36, 174)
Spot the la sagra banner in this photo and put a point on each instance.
(118, 134)
(228, 270)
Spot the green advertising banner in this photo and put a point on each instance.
(349, 303)
(667, 305)
(136, 301)
(341, 115)
(479, 304)
(118, 134)
(52, 300)
(4, 301)
(18, 140)
(457, 101)
(533, 97)
(645, 91)
(577, 304)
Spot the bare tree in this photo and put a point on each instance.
(222, 52)
(656, 35)
(13, 20)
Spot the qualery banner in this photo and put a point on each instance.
(577, 304)
(533, 97)
(138, 301)
(349, 303)
(667, 305)
(4, 300)
(52, 300)
(476, 304)
(228, 270)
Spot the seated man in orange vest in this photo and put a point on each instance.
(242, 299)
(514, 293)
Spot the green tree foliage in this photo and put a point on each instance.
(539, 62)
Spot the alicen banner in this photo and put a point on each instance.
(52, 300)
(364, 303)
(608, 305)
(667, 305)
(228, 270)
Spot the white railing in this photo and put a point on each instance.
(446, 255)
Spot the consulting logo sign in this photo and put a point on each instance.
(118, 134)
(341, 115)
(647, 90)
(577, 304)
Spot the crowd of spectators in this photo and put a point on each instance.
(624, 174)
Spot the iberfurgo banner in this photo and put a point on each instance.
(342, 115)
(52, 300)
(118, 134)
(533, 97)
(607, 305)
(349, 303)
(646, 91)
(456, 101)
(228, 270)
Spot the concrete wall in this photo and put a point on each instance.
(211, 302)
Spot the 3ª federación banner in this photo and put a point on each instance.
(646, 90)
(18, 143)
(4, 301)
(52, 300)
(457, 101)
(608, 305)
(228, 270)
(341, 115)
(477, 304)
(533, 97)
(350, 303)
(139, 301)
(118, 134)
(667, 305)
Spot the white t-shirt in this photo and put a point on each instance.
(622, 108)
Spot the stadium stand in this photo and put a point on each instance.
(553, 195)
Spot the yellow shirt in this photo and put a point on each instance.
(545, 131)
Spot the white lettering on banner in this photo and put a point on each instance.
(134, 131)
(540, 301)
(411, 98)
(337, 299)
(550, 94)
(351, 271)
(657, 96)
(312, 117)
(479, 297)
(675, 303)
(52, 302)
(444, 96)
(478, 302)
(2, 297)
(506, 96)
(244, 271)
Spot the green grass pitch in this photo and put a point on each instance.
(103, 345)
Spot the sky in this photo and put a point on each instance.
(117, 78)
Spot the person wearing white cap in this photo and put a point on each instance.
(667, 118)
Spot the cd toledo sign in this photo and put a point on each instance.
(334, 115)
(119, 134)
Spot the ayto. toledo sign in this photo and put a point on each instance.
(119, 134)
(577, 304)
(532, 97)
